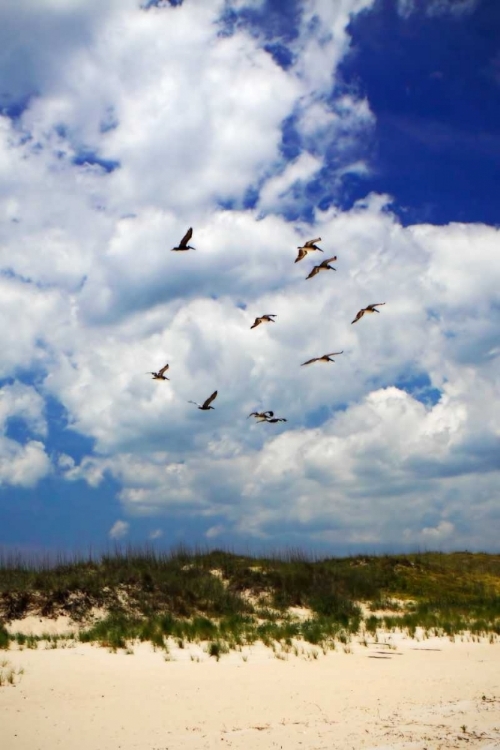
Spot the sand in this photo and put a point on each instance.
(414, 694)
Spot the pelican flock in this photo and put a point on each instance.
(308, 247)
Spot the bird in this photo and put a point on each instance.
(307, 247)
(368, 309)
(183, 244)
(264, 319)
(274, 420)
(323, 267)
(261, 415)
(205, 406)
(324, 358)
(159, 375)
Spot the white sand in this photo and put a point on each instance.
(416, 696)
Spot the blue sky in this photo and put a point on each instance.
(374, 124)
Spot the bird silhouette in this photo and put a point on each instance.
(323, 267)
(205, 406)
(263, 319)
(324, 358)
(159, 375)
(261, 415)
(183, 244)
(368, 309)
(308, 247)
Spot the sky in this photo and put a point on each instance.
(373, 124)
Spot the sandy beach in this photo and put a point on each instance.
(398, 693)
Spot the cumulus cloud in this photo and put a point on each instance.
(136, 131)
(22, 464)
(432, 8)
(119, 530)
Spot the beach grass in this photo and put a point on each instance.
(223, 598)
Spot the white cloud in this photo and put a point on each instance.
(94, 299)
(433, 8)
(119, 530)
(442, 530)
(23, 402)
(273, 194)
(22, 464)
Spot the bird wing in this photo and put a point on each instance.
(302, 254)
(257, 322)
(269, 318)
(313, 272)
(269, 413)
(375, 304)
(210, 399)
(193, 402)
(186, 237)
(253, 414)
(358, 316)
(309, 361)
(328, 260)
(163, 369)
(332, 354)
(310, 243)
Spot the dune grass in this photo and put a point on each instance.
(229, 599)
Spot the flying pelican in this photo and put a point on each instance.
(205, 406)
(369, 309)
(307, 247)
(323, 267)
(261, 415)
(264, 319)
(324, 358)
(159, 375)
(183, 244)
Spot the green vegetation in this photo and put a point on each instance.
(230, 600)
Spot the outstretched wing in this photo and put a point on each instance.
(313, 272)
(309, 361)
(375, 304)
(163, 369)
(358, 316)
(301, 254)
(209, 400)
(186, 237)
(310, 243)
(332, 354)
(329, 260)
(257, 322)
(193, 402)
